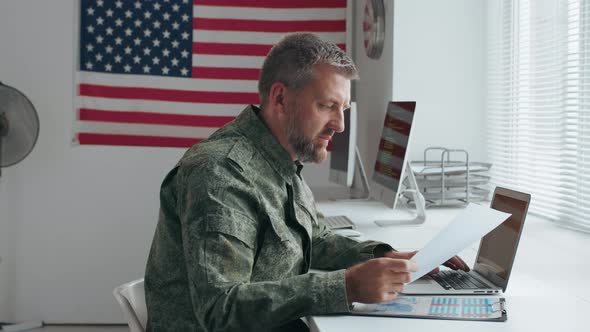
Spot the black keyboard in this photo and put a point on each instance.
(450, 279)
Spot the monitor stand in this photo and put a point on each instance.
(359, 179)
(419, 202)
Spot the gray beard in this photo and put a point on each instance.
(304, 147)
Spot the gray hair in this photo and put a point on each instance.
(292, 59)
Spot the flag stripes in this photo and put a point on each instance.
(169, 74)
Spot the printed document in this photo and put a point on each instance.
(469, 226)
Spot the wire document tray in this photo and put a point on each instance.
(444, 181)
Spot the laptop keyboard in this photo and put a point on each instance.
(339, 222)
(450, 279)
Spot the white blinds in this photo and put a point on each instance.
(538, 77)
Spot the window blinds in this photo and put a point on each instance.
(538, 105)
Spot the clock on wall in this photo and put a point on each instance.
(374, 28)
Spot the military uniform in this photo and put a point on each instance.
(237, 233)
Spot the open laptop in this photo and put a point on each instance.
(495, 256)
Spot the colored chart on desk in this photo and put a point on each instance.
(477, 307)
(444, 307)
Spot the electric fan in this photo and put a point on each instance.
(19, 126)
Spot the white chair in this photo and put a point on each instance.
(131, 298)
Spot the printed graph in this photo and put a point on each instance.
(462, 307)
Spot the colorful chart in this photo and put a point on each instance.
(461, 307)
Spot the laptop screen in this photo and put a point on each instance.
(498, 248)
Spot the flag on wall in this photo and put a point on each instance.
(170, 73)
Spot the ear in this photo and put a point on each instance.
(277, 96)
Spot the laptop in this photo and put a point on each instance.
(495, 256)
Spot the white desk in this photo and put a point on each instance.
(550, 260)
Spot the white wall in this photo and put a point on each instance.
(438, 61)
(84, 216)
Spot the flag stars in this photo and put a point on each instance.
(152, 37)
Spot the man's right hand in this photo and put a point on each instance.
(378, 280)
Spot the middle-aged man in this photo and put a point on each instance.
(238, 229)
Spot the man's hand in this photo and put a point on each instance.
(455, 263)
(378, 280)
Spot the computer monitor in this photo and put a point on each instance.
(342, 150)
(390, 162)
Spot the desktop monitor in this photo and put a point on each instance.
(342, 151)
(391, 155)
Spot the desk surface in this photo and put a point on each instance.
(549, 288)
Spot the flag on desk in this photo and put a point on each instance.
(171, 72)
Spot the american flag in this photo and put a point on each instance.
(170, 73)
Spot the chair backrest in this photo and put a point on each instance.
(131, 298)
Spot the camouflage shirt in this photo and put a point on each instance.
(237, 234)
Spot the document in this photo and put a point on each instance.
(486, 308)
(469, 226)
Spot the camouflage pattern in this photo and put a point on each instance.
(237, 233)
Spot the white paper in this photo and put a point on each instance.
(469, 226)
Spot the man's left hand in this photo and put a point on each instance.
(455, 263)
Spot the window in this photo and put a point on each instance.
(538, 105)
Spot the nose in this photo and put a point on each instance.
(338, 121)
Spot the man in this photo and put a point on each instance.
(238, 228)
